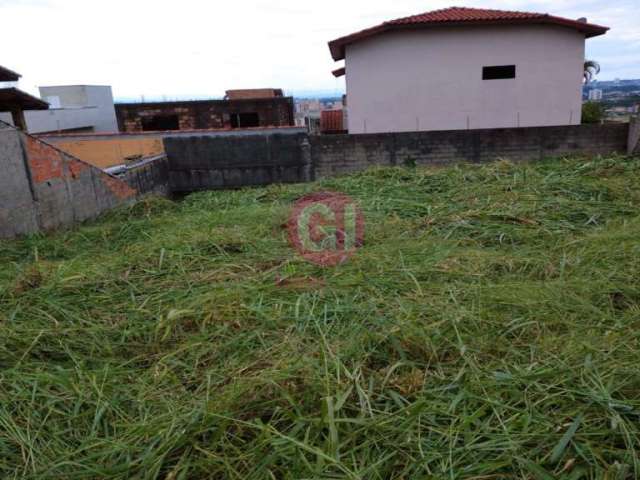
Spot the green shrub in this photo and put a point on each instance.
(592, 112)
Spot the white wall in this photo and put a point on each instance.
(81, 106)
(102, 98)
(432, 79)
(59, 120)
(70, 96)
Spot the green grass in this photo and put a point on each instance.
(489, 328)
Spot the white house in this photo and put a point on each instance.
(72, 108)
(464, 68)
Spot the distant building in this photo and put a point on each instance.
(465, 68)
(275, 111)
(75, 108)
(251, 93)
(307, 114)
(595, 95)
(61, 109)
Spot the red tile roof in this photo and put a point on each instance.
(464, 16)
(339, 72)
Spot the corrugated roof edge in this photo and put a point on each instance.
(8, 75)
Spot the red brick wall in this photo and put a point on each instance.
(207, 114)
(64, 190)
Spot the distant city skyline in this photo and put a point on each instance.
(198, 50)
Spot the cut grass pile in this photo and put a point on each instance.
(489, 328)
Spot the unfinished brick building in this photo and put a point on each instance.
(276, 111)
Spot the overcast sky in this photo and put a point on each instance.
(200, 48)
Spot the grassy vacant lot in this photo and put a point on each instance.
(489, 328)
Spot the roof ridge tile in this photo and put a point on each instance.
(463, 16)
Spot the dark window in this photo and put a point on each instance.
(500, 72)
(157, 123)
(245, 120)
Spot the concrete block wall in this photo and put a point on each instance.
(43, 188)
(200, 163)
(18, 213)
(341, 154)
(149, 176)
(206, 162)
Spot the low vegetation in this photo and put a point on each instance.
(593, 112)
(488, 328)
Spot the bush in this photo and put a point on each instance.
(592, 112)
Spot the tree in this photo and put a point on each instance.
(592, 112)
(591, 69)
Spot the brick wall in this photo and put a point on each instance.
(106, 151)
(340, 154)
(207, 114)
(45, 188)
